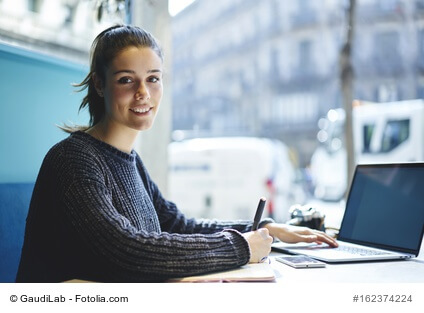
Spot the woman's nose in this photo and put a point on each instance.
(142, 92)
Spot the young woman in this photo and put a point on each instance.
(95, 214)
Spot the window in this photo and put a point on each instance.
(421, 49)
(394, 134)
(305, 53)
(368, 132)
(34, 5)
(388, 60)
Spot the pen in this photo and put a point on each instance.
(258, 214)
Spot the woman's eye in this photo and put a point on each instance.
(153, 79)
(125, 80)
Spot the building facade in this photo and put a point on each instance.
(271, 68)
(63, 28)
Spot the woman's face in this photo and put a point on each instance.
(133, 88)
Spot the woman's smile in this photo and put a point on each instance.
(141, 111)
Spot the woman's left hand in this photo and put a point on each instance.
(293, 234)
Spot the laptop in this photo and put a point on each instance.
(383, 219)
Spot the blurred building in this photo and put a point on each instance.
(63, 28)
(270, 68)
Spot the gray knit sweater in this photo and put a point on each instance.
(95, 214)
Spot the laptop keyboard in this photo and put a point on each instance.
(359, 251)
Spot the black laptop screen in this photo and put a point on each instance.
(386, 206)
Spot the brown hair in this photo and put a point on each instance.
(106, 46)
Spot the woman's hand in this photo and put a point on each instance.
(259, 243)
(293, 234)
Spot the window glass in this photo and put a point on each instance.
(368, 132)
(394, 134)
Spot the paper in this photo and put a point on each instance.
(246, 273)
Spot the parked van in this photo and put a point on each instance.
(224, 178)
(388, 132)
(382, 133)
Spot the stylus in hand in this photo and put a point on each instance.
(258, 214)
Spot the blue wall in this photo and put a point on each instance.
(35, 95)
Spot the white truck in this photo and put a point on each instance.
(224, 177)
(388, 132)
(382, 133)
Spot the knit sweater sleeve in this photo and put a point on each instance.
(134, 255)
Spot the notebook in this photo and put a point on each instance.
(383, 219)
(250, 272)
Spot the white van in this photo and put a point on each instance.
(382, 133)
(224, 177)
(388, 132)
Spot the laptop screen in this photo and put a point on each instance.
(385, 207)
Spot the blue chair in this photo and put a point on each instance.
(14, 204)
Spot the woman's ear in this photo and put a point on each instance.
(98, 84)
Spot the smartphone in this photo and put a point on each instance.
(300, 261)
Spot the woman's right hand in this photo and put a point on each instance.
(259, 243)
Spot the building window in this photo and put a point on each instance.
(420, 56)
(387, 57)
(305, 53)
